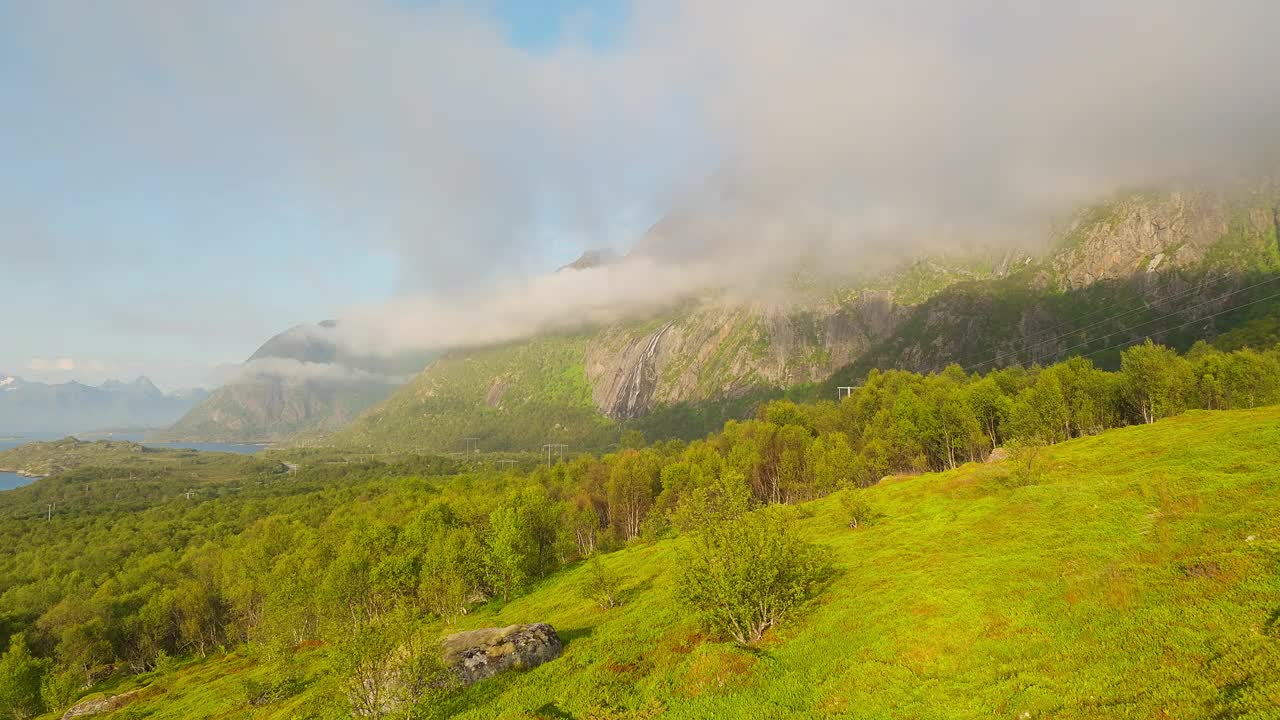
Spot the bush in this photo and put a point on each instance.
(855, 509)
(1025, 457)
(743, 576)
(602, 586)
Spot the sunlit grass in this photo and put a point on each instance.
(1137, 575)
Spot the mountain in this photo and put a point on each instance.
(299, 381)
(1176, 266)
(35, 407)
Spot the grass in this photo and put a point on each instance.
(1136, 576)
(511, 398)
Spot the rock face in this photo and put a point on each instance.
(722, 351)
(1180, 253)
(478, 654)
(98, 706)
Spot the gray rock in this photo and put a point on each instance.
(478, 654)
(98, 706)
(998, 454)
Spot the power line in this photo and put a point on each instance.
(1117, 317)
(1199, 286)
(1166, 317)
(1190, 322)
(1028, 349)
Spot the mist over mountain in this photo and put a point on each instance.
(35, 407)
(1176, 266)
(297, 381)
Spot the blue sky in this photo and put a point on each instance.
(119, 261)
(180, 180)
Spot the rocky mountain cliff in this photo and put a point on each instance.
(1149, 264)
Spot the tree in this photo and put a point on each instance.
(1040, 411)
(741, 577)
(832, 463)
(508, 551)
(20, 676)
(633, 483)
(443, 587)
(1157, 380)
(199, 611)
(990, 407)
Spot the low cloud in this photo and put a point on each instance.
(565, 300)
(838, 130)
(296, 371)
(61, 364)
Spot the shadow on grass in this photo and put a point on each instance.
(1272, 626)
(630, 593)
(551, 710)
(568, 637)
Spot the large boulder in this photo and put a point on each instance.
(101, 705)
(478, 654)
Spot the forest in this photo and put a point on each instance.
(365, 558)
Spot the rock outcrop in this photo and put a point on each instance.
(1140, 265)
(478, 654)
(99, 706)
(721, 351)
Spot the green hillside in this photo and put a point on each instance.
(1137, 574)
(1175, 267)
(514, 397)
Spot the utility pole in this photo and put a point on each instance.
(845, 391)
(188, 493)
(472, 444)
(507, 462)
(48, 517)
(560, 447)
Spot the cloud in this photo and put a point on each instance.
(837, 129)
(297, 371)
(62, 364)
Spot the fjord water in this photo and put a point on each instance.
(9, 481)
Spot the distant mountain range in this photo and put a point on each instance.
(36, 407)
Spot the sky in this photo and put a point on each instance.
(181, 180)
(172, 244)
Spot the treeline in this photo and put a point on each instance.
(129, 593)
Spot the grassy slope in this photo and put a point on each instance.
(1138, 577)
(514, 397)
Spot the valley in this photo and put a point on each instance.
(626, 360)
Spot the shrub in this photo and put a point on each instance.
(602, 586)
(1025, 455)
(744, 575)
(855, 509)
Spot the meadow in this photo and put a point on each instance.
(1131, 574)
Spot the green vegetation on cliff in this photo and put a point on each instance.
(514, 397)
(1123, 558)
(1174, 267)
